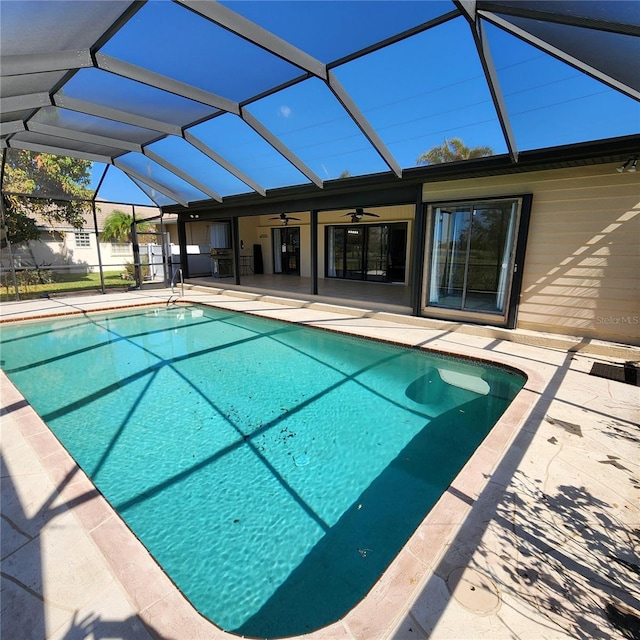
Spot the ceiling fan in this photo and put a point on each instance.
(358, 214)
(284, 218)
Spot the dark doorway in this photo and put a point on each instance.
(397, 252)
(286, 251)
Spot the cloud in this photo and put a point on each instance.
(285, 111)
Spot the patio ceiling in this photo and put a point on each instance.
(203, 100)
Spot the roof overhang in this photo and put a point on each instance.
(386, 189)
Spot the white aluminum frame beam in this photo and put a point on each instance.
(468, 10)
(182, 174)
(560, 55)
(13, 126)
(363, 124)
(25, 102)
(109, 113)
(28, 63)
(81, 136)
(232, 21)
(58, 151)
(218, 159)
(159, 81)
(275, 142)
(150, 182)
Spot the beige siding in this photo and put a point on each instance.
(582, 265)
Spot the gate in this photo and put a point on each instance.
(153, 261)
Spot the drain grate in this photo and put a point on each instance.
(627, 372)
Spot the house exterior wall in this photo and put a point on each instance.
(582, 265)
(112, 255)
(250, 232)
(257, 230)
(59, 249)
(51, 249)
(60, 252)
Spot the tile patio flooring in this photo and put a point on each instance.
(393, 297)
(537, 537)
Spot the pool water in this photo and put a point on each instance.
(274, 471)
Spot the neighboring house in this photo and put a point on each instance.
(63, 248)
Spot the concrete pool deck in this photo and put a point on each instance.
(537, 537)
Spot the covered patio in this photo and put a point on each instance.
(366, 295)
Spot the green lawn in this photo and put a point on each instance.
(63, 282)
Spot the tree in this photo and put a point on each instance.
(40, 188)
(117, 227)
(451, 150)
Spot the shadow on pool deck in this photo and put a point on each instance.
(18, 532)
(25, 592)
(571, 559)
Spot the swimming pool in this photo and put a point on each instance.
(261, 463)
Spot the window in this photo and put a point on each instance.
(472, 258)
(121, 249)
(220, 235)
(83, 239)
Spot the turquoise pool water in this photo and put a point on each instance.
(274, 471)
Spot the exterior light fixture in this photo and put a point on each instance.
(629, 165)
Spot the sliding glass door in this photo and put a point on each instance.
(354, 252)
(472, 255)
(374, 252)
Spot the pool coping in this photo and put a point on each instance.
(159, 602)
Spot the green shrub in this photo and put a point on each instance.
(129, 272)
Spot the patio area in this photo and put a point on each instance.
(393, 297)
(536, 537)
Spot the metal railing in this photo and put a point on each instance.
(173, 281)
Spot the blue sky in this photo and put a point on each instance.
(415, 93)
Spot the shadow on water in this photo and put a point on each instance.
(347, 562)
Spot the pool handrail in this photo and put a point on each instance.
(173, 280)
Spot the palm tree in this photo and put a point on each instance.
(117, 227)
(451, 150)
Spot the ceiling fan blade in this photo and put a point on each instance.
(359, 212)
